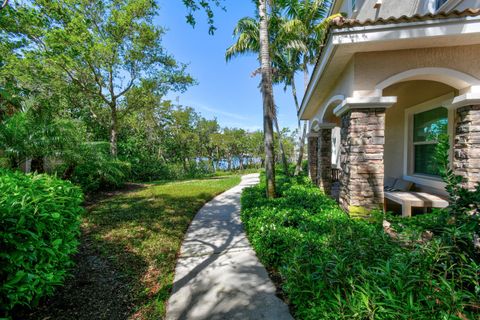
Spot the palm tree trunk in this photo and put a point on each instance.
(282, 149)
(301, 139)
(268, 106)
(301, 149)
(303, 135)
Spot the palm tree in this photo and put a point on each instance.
(268, 104)
(294, 45)
(247, 32)
(307, 22)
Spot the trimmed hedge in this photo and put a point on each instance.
(39, 229)
(334, 267)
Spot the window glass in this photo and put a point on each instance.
(428, 125)
(424, 159)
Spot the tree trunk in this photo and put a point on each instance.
(268, 106)
(301, 150)
(303, 135)
(113, 130)
(282, 149)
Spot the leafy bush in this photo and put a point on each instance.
(98, 170)
(39, 227)
(334, 267)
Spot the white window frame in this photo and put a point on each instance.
(408, 173)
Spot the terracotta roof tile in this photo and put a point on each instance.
(341, 23)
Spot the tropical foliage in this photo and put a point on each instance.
(69, 84)
(38, 234)
(335, 267)
(296, 30)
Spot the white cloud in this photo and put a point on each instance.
(217, 111)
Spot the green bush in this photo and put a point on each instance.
(98, 170)
(39, 229)
(334, 267)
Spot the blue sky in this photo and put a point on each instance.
(226, 90)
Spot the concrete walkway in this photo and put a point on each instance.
(218, 275)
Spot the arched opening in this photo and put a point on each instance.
(412, 127)
(450, 77)
(326, 127)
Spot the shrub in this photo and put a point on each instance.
(38, 234)
(334, 267)
(98, 170)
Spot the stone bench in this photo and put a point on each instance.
(409, 199)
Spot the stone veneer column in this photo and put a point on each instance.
(466, 160)
(325, 158)
(313, 156)
(362, 147)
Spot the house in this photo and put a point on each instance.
(390, 77)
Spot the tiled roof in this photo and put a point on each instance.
(340, 23)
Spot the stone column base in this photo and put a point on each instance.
(362, 147)
(466, 161)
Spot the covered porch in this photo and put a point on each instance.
(364, 142)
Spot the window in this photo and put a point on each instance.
(439, 3)
(354, 3)
(427, 127)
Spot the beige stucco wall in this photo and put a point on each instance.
(409, 94)
(372, 68)
(342, 87)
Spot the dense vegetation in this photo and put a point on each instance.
(83, 97)
(40, 224)
(335, 267)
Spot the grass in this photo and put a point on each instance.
(141, 232)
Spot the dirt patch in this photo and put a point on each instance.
(95, 290)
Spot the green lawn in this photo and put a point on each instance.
(141, 231)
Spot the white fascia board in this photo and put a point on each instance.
(407, 30)
(364, 102)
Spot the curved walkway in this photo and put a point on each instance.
(218, 275)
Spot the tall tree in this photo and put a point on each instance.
(306, 24)
(267, 93)
(247, 32)
(106, 48)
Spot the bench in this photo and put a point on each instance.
(409, 199)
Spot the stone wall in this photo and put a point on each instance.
(313, 157)
(325, 160)
(362, 147)
(467, 145)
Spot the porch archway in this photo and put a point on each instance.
(456, 79)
